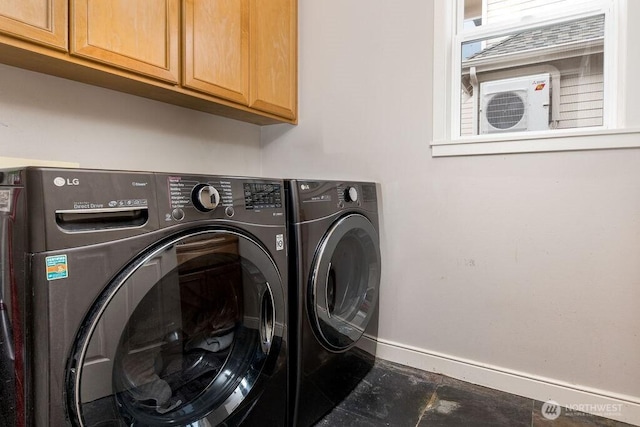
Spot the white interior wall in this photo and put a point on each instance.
(518, 272)
(49, 118)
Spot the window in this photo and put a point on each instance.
(519, 75)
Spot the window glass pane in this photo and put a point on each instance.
(545, 78)
(471, 48)
(473, 12)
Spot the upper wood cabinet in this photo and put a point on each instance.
(40, 21)
(137, 35)
(273, 65)
(216, 48)
(234, 58)
(244, 51)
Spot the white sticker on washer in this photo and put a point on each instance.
(5, 200)
(279, 242)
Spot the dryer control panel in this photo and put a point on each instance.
(319, 199)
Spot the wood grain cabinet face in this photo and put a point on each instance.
(244, 51)
(40, 21)
(273, 63)
(216, 48)
(234, 58)
(141, 36)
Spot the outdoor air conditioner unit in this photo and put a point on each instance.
(517, 104)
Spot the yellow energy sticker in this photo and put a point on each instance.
(57, 267)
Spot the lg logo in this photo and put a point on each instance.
(61, 182)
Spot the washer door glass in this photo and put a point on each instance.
(179, 337)
(345, 282)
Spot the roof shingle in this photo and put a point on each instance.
(590, 28)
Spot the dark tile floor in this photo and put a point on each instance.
(397, 396)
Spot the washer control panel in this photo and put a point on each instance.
(190, 197)
(205, 197)
(258, 195)
(204, 194)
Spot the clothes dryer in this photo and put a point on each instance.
(142, 299)
(335, 277)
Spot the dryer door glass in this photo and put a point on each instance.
(181, 336)
(345, 282)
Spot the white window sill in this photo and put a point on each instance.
(534, 142)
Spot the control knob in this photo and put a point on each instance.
(351, 194)
(205, 197)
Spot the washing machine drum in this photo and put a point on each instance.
(181, 336)
(345, 282)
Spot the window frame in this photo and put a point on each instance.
(449, 36)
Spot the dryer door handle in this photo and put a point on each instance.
(330, 290)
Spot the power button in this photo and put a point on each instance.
(177, 214)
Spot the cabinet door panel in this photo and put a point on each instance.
(41, 21)
(138, 35)
(216, 50)
(273, 66)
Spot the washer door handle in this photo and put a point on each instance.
(5, 331)
(267, 319)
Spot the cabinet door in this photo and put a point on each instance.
(41, 21)
(216, 48)
(273, 63)
(137, 35)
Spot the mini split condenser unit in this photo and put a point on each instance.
(517, 104)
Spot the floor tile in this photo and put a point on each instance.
(456, 403)
(389, 395)
(340, 417)
(392, 395)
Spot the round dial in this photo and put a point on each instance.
(205, 197)
(351, 194)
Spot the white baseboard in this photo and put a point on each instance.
(584, 399)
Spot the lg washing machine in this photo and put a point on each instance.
(142, 299)
(335, 276)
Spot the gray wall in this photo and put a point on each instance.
(528, 264)
(44, 117)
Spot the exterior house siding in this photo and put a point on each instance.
(581, 101)
(467, 107)
(497, 11)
